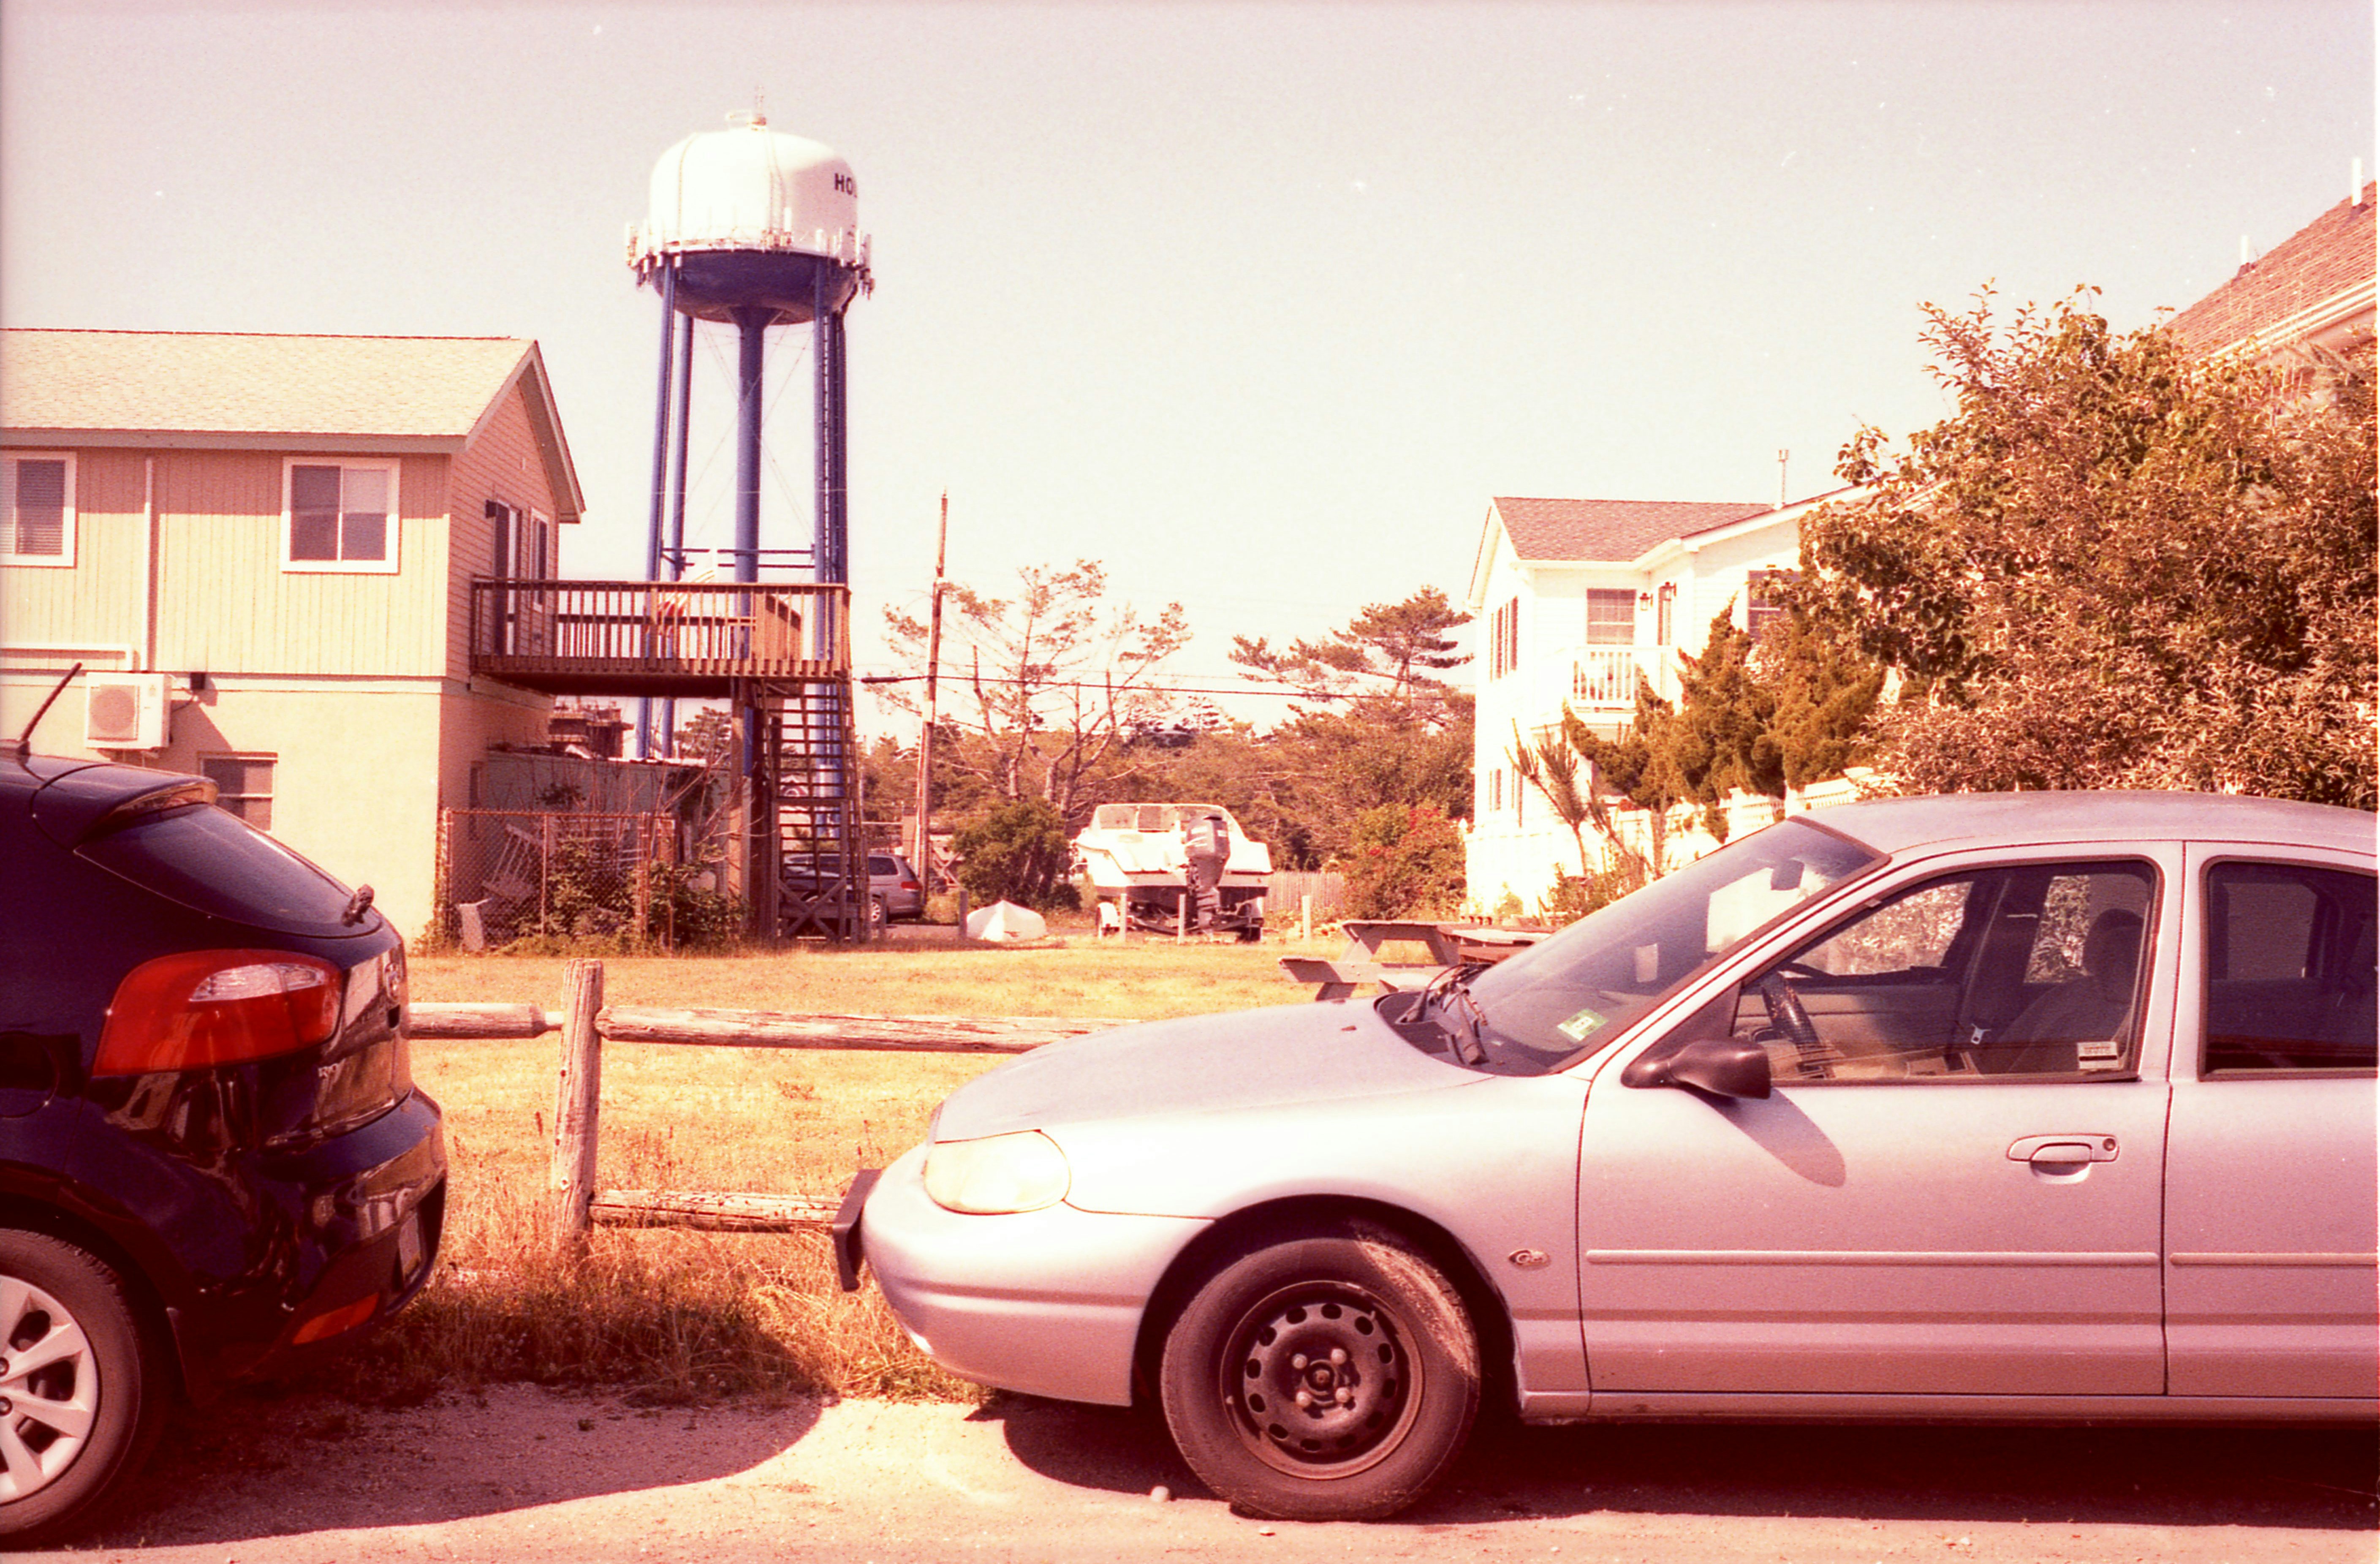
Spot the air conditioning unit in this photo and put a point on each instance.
(124, 711)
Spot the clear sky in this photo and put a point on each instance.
(1259, 304)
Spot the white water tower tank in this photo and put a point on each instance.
(746, 215)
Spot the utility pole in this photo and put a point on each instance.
(923, 855)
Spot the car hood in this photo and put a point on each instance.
(1198, 1064)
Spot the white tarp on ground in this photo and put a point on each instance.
(1005, 921)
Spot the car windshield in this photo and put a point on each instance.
(1568, 996)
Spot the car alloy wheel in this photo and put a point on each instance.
(1331, 1378)
(81, 1397)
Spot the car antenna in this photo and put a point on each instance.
(24, 740)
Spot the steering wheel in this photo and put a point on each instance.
(1785, 1011)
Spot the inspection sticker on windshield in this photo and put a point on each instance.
(1579, 1025)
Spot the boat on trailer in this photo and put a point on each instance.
(1135, 856)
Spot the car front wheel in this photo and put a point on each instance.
(1331, 1378)
(82, 1392)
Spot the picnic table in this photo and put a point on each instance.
(1361, 962)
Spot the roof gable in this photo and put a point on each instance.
(2331, 258)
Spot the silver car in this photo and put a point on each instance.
(2053, 1107)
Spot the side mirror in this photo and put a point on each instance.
(1720, 1066)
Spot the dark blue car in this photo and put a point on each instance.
(213, 1162)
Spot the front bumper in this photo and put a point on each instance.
(1047, 1302)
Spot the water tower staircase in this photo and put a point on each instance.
(823, 881)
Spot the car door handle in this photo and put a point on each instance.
(2062, 1151)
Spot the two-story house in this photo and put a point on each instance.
(1572, 601)
(260, 550)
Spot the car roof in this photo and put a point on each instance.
(66, 797)
(1899, 825)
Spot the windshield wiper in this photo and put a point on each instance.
(1446, 1000)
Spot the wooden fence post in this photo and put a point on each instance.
(571, 1181)
(1306, 916)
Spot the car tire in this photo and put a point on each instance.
(1373, 1337)
(880, 917)
(83, 1417)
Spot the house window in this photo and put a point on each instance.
(524, 542)
(1665, 613)
(1764, 594)
(1504, 640)
(41, 510)
(1610, 616)
(243, 785)
(340, 517)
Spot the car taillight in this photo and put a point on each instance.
(205, 1007)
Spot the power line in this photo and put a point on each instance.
(1282, 692)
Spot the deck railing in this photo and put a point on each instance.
(1604, 678)
(659, 630)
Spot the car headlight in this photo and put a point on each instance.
(997, 1174)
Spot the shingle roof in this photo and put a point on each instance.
(2329, 257)
(220, 383)
(1608, 529)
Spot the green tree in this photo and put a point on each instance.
(1045, 686)
(1019, 852)
(1394, 650)
(2115, 566)
(1824, 692)
(708, 735)
(1403, 862)
(1376, 725)
(1560, 774)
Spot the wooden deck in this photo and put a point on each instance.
(658, 638)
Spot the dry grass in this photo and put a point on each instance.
(673, 1316)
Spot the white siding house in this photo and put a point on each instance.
(1572, 601)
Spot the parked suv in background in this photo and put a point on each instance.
(212, 1158)
(893, 883)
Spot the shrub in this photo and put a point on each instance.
(1018, 852)
(1403, 861)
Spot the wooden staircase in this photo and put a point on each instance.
(823, 863)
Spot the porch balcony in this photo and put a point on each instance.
(1599, 682)
(694, 639)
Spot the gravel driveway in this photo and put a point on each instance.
(523, 1474)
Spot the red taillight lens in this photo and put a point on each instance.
(205, 1007)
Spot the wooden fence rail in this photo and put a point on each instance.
(585, 1023)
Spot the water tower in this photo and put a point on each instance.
(756, 229)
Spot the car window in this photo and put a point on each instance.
(212, 862)
(2288, 961)
(2031, 971)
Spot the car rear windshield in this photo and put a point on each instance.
(212, 862)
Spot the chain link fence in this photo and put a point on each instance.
(631, 881)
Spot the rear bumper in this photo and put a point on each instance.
(350, 1232)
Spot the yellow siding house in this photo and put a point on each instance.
(259, 549)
